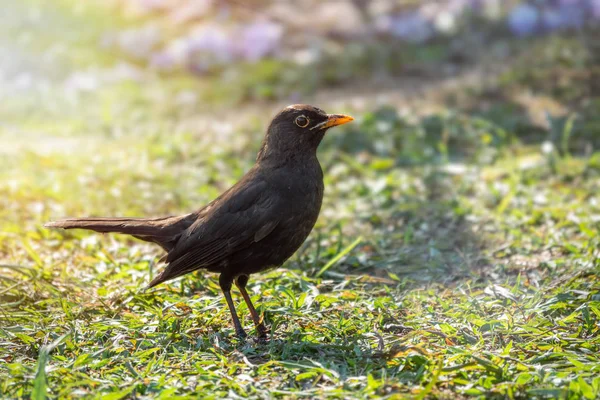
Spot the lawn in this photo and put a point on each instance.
(457, 254)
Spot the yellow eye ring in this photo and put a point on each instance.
(302, 121)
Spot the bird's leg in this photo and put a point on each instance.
(225, 283)
(241, 282)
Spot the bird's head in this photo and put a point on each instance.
(297, 130)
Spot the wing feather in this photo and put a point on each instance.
(243, 215)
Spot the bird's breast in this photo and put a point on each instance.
(302, 187)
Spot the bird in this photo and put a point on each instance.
(255, 225)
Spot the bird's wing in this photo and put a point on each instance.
(243, 215)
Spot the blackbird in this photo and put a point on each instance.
(255, 225)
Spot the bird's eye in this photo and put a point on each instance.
(302, 121)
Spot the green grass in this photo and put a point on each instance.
(453, 257)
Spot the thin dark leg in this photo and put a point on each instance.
(241, 282)
(225, 283)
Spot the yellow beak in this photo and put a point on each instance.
(334, 120)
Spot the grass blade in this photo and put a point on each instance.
(40, 386)
(339, 256)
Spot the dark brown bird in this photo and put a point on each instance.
(255, 225)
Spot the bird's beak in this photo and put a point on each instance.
(334, 120)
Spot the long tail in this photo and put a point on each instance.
(163, 231)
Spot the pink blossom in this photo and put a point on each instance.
(259, 39)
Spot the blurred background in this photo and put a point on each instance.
(71, 69)
(473, 162)
(197, 57)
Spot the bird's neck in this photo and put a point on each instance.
(301, 165)
(292, 170)
(275, 156)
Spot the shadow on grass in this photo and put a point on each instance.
(430, 234)
(427, 242)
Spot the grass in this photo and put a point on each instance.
(455, 256)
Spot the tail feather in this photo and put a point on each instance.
(163, 230)
(132, 226)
